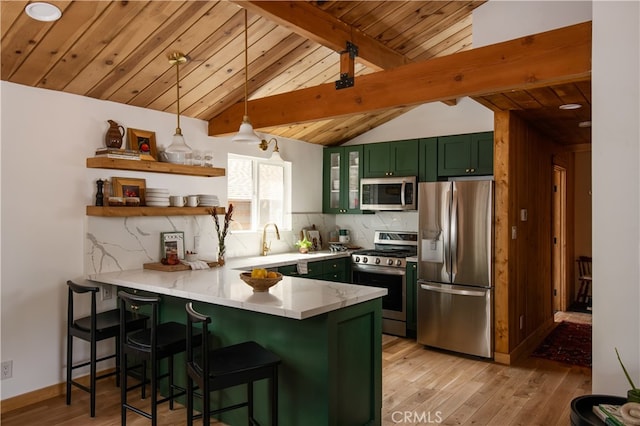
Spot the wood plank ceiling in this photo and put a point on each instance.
(117, 51)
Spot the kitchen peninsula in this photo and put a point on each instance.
(327, 334)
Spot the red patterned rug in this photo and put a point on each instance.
(569, 343)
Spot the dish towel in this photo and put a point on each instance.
(198, 264)
(302, 267)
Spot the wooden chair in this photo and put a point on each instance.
(585, 279)
(211, 370)
(96, 327)
(152, 344)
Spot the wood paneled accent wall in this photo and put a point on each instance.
(523, 166)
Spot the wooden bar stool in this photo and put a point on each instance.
(229, 366)
(94, 328)
(151, 345)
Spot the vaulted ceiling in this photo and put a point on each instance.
(117, 51)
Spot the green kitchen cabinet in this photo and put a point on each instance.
(397, 158)
(412, 293)
(428, 160)
(342, 169)
(465, 155)
(336, 270)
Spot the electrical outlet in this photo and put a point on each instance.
(107, 292)
(7, 369)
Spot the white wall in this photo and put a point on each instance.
(46, 236)
(616, 193)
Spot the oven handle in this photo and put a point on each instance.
(453, 291)
(381, 270)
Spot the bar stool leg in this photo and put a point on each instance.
(273, 395)
(92, 377)
(69, 366)
(123, 390)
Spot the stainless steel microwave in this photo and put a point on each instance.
(388, 193)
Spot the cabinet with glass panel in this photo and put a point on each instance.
(341, 179)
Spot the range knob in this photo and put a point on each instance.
(399, 262)
(377, 260)
(357, 259)
(390, 262)
(365, 259)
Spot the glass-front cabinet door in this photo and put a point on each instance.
(341, 173)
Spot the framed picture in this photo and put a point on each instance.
(129, 187)
(172, 243)
(144, 142)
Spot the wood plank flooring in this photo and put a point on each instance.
(420, 386)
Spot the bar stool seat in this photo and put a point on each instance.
(150, 345)
(95, 327)
(211, 370)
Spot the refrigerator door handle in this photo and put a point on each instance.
(453, 291)
(445, 212)
(454, 233)
(402, 200)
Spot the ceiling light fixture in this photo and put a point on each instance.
(246, 133)
(275, 156)
(44, 12)
(570, 106)
(178, 150)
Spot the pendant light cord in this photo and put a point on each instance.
(178, 130)
(246, 63)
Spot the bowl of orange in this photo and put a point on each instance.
(260, 279)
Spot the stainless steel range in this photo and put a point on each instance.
(384, 267)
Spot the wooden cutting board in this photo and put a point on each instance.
(157, 266)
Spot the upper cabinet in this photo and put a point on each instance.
(398, 158)
(428, 160)
(341, 179)
(465, 155)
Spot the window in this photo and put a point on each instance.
(260, 191)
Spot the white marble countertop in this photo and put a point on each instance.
(293, 297)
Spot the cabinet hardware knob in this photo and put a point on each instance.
(473, 170)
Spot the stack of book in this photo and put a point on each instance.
(126, 154)
(609, 414)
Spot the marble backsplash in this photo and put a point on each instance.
(114, 244)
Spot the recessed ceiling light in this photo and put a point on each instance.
(584, 124)
(570, 106)
(41, 11)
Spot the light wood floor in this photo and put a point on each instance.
(420, 386)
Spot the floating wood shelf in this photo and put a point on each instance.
(110, 211)
(153, 167)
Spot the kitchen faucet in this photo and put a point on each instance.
(267, 247)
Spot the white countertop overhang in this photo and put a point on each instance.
(293, 297)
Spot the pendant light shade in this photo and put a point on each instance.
(178, 150)
(246, 133)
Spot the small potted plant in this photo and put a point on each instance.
(633, 394)
(304, 245)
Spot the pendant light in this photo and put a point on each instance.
(246, 133)
(178, 150)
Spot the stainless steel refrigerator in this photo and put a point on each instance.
(455, 266)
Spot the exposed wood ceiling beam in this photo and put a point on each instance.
(317, 25)
(538, 60)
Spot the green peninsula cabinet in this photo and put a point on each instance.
(397, 158)
(327, 334)
(465, 155)
(342, 169)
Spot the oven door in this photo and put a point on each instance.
(394, 304)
